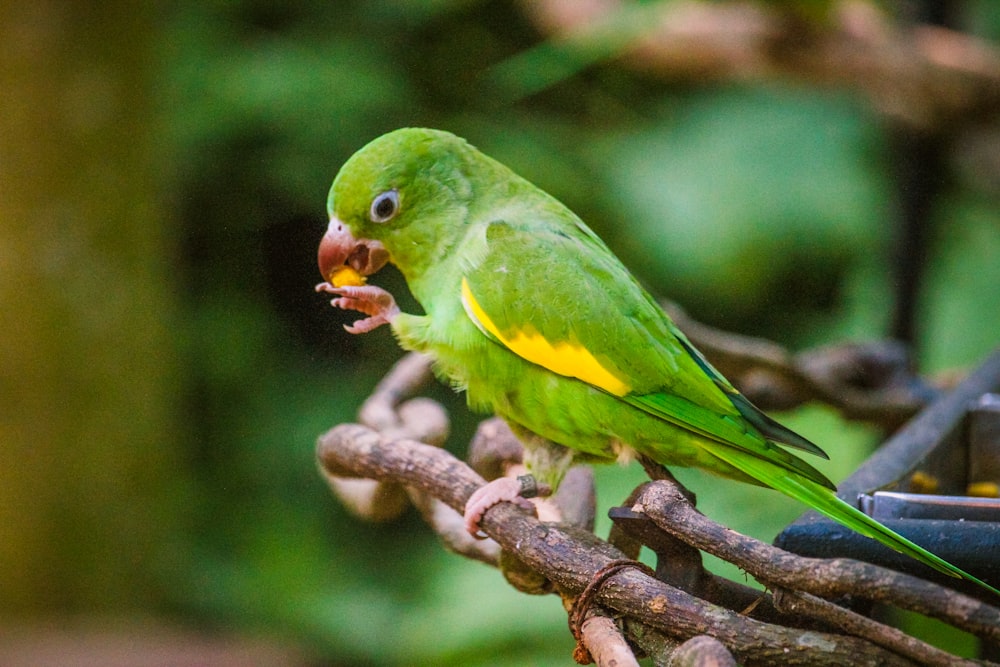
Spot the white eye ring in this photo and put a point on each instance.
(384, 206)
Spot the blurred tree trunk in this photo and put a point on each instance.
(88, 458)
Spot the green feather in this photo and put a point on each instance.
(824, 501)
(769, 428)
(528, 311)
(748, 442)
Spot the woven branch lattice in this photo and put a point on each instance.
(684, 614)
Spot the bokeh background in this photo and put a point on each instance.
(165, 367)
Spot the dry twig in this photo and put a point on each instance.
(385, 460)
(543, 557)
(870, 382)
(569, 557)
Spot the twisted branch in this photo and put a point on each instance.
(871, 382)
(925, 77)
(569, 557)
(795, 626)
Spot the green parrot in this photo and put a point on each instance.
(531, 314)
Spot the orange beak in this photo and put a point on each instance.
(339, 247)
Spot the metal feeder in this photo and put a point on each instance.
(918, 484)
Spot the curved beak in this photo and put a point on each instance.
(339, 247)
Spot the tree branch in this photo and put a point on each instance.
(871, 382)
(569, 557)
(827, 578)
(925, 77)
(684, 601)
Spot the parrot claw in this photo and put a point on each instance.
(378, 304)
(504, 489)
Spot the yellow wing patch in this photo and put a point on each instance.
(563, 358)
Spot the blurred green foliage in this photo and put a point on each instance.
(765, 210)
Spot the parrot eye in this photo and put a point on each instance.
(384, 206)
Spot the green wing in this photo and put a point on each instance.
(555, 295)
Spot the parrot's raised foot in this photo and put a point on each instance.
(510, 489)
(378, 304)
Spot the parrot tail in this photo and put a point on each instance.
(826, 502)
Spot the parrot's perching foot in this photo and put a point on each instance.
(379, 305)
(516, 490)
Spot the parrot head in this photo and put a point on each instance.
(392, 200)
